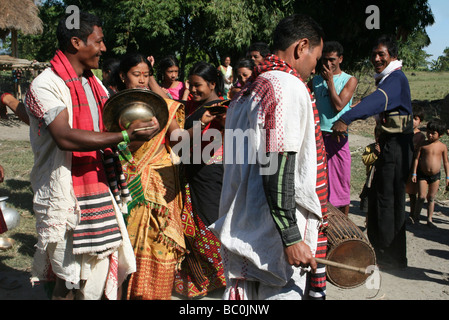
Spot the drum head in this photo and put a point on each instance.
(354, 253)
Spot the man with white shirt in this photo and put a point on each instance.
(270, 219)
(391, 104)
(83, 245)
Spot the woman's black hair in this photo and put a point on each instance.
(246, 63)
(110, 66)
(209, 73)
(165, 63)
(126, 63)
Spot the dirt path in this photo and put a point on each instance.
(425, 278)
(427, 274)
(13, 129)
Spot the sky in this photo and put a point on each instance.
(439, 31)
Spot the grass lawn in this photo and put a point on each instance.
(16, 158)
(428, 85)
(424, 86)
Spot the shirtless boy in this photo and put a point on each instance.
(426, 168)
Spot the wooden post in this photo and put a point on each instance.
(14, 49)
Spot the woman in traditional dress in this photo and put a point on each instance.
(202, 270)
(154, 214)
(226, 71)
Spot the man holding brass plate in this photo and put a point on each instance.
(82, 239)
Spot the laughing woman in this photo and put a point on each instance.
(202, 269)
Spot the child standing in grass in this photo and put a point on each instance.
(426, 169)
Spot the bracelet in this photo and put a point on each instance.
(414, 174)
(447, 178)
(125, 136)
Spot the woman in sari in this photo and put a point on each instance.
(202, 269)
(154, 213)
(226, 69)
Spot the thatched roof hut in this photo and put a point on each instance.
(19, 15)
(11, 63)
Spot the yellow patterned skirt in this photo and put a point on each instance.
(156, 232)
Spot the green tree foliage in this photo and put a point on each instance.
(42, 47)
(193, 29)
(442, 63)
(411, 51)
(211, 29)
(344, 21)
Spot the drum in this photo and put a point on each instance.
(347, 245)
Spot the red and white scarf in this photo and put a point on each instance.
(98, 230)
(273, 63)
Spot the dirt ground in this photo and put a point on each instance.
(425, 278)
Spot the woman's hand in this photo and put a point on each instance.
(206, 119)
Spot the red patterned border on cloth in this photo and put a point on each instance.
(202, 270)
(318, 280)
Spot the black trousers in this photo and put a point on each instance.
(386, 200)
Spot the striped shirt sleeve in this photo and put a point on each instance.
(280, 192)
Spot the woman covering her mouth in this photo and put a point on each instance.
(154, 214)
(136, 71)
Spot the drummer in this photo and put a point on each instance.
(265, 223)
